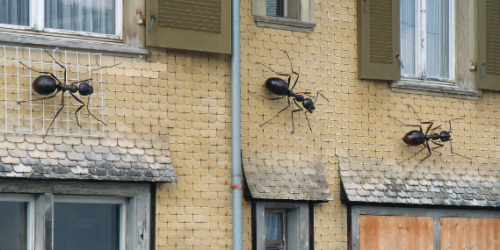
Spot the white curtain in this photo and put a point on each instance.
(96, 16)
(438, 39)
(273, 226)
(15, 12)
(408, 36)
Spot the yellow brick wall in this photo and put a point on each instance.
(195, 213)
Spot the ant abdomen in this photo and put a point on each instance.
(44, 85)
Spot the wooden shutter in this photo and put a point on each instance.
(378, 39)
(488, 44)
(201, 25)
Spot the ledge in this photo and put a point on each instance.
(412, 87)
(73, 43)
(284, 23)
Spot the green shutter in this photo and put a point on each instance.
(378, 39)
(200, 25)
(488, 44)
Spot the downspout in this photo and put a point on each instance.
(236, 125)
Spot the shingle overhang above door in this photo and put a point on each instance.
(370, 180)
(286, 180)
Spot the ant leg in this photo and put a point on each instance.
(86, 105)
(277, 113)
(428, 128)
(293, 71)
(295, 110)
(307, 118)
(65, 70)
(41, 72)
(315, 99)
(415, 112)
(434, 129)
(413, 155)
(451, 144)
(105, 67)
(439, 145)
(47, 97)
(255, 93)
(409, 125)
(82, 81)
(78, 110)
(277, 73)
(59, 111)
(430, 153)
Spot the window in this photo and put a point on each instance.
(99, 18)
(437, 50)
(276, 8)
(296, 15)
(74, 215)
(275, 229)
(281, 226)
(17, 213)
(427, 40)
(86, 222)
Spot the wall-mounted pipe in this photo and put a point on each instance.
(236, 125)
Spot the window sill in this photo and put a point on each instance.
(72, 43)
(420, 88)
(284, 23)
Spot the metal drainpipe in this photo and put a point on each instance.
(236, 125)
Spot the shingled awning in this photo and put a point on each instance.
(373, 180)
(286, 180)
(72, 158)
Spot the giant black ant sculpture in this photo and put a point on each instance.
(47, 83)
(282, 88)
(418, 137)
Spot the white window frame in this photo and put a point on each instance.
(421, 39)
(30, 199)
(37, 22)
(80, 199)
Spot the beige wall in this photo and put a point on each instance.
(195, 213)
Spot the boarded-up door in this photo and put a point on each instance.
(470, 234)
(395, 232)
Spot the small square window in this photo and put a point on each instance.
(296, 15)
(280, 226)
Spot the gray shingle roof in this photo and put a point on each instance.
(453, 183)
(286, 180)
(30, 156)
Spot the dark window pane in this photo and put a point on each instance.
(86, 226)
(274, 226)
(16, 12)
(13, 225)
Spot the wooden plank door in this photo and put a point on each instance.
(470, 234)
(395, 232)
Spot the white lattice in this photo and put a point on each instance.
(35, 117)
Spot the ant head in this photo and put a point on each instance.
(85, 89)
(309, 105)
(445, 136)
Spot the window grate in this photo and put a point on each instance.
(35, 117)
